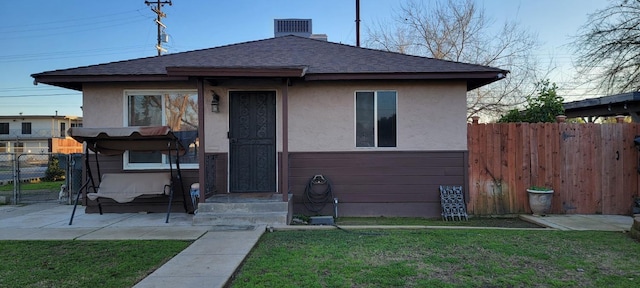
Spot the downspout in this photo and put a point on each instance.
(285, 141)
(201, 163)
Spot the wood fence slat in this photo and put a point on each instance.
(502, 190)
(473, 154)
(493, 167)
(596, 162)
(584, 186)
(556, 171)
(607, 177)
(629, 163)
(511, 184)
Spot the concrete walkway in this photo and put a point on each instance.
(217, 251)
(582, 222)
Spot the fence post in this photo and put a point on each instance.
(16, 177)
(475, 119)
(561, 118)
(620, 119)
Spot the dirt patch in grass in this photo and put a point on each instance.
(505, 222)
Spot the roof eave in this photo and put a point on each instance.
(474, 79)
(75, 82)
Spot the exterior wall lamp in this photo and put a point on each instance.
(215, 102)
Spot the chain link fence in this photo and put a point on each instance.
(39, 177)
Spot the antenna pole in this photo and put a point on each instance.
(158, 10)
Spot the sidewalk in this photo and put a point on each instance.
(208, 262)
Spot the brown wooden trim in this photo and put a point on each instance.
(473, 79)
(201, 139)
(285, 143)
(75, 82)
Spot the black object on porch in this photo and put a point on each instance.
(115, 141)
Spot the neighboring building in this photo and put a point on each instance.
(627, 104)
(38, 134)
(385, 128)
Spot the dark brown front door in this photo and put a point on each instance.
(252, 141)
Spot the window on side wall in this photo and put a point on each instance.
(26, 128)
(176, 109)
(376, 118)
(4, 128)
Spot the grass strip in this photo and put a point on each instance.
(51, 186)
(442, 258)
(82, 263)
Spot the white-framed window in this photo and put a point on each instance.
(177, 109)
(376, 113)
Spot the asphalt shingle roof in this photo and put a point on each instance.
(320, 57)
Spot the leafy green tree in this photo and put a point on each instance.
(542, 108)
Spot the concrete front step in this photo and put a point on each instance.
(267, 218)
(258, 207)
(244, 209)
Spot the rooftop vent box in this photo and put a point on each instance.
(298, 27)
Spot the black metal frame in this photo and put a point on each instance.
(90, 182)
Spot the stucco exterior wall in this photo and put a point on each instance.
(431, 115)
(103, 105)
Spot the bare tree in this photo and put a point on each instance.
(608, 47)
(459, 31)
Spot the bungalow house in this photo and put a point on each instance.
(383, 129)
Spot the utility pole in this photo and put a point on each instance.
(358, 23)
(158, 10)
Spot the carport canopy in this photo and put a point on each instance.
(627, 104)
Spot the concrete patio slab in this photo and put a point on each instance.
(582, 222)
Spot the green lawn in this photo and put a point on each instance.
(82, 263)
(51, 186)
(442, 258)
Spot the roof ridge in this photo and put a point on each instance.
(387, 51)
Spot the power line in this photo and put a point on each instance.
(92, 19)
(69, 31)
(35, 95)
(70, 54)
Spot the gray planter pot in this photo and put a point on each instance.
(540, 201)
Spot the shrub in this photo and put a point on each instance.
(54, 172)
(542, 108)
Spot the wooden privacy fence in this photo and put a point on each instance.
(65, 146)
(593, 168)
